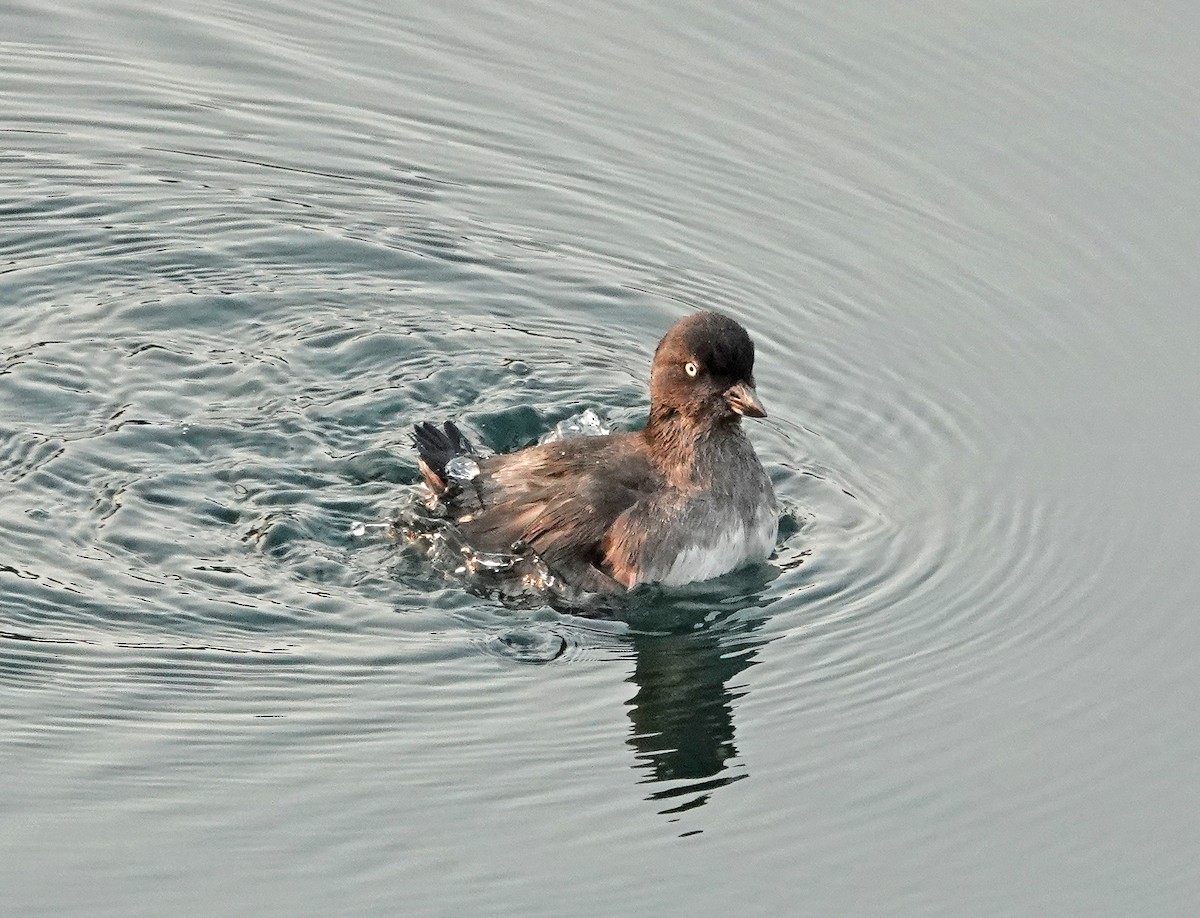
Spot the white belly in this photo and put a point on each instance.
(734, 547)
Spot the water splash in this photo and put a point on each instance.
(462, 469)
(585, 424)
(358, 529)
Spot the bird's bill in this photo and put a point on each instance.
(743, 399)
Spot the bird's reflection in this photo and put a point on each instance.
(686, 672)
(689, 647)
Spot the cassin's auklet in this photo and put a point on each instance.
(683, 500)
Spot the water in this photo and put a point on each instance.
(242, 249)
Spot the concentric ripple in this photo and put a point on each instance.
(246, 247)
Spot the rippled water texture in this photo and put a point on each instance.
(243, 247)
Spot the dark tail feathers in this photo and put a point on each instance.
(436, 447)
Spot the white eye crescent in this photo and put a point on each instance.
(690, 368)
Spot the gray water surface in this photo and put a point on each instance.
(244, 247)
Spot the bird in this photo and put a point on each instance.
(683, 500)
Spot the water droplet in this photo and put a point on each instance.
(462, 468)
(586, 424)
(478, 561)
(528, 645)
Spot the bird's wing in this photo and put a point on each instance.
(643, 540)
(559, 498)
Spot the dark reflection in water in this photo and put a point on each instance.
(689, 646)
(682, 713)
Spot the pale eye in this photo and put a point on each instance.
(690, 368)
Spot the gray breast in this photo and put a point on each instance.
(729, 524)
